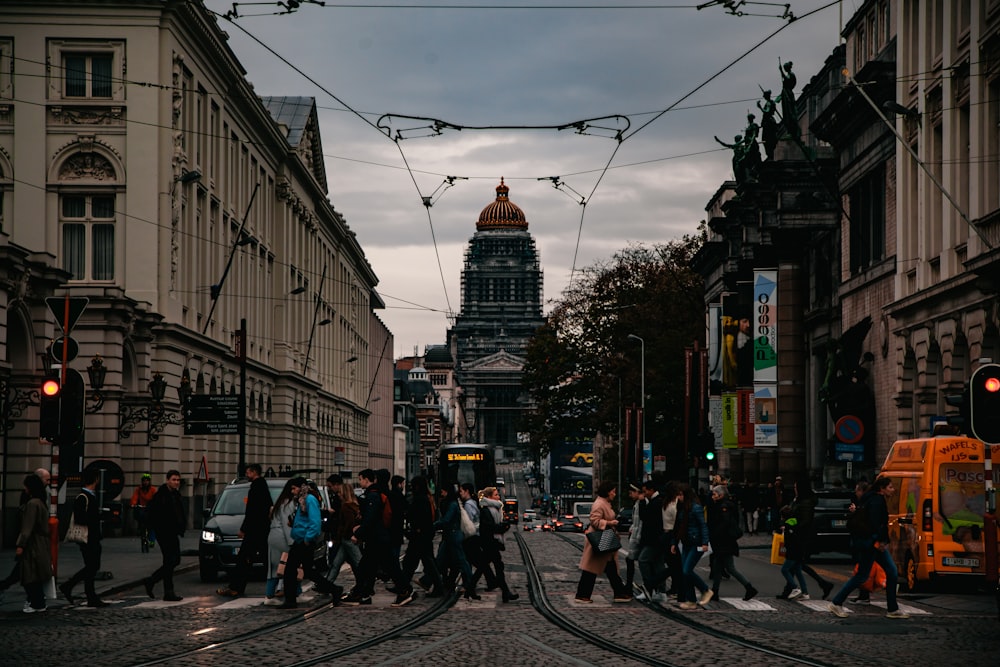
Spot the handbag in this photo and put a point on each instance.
(604, 541)
(300, 574)
(77, 532)
(468, 527)
(778, 549)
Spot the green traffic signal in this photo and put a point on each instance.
(710, 455)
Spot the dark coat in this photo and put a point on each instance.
(723, 522)
(398, 503)
(370, 528)
(35, 561)
(257, 518)
(800, 528)
(420, 515)
(166, 512)
(87, 512)
(651, 514)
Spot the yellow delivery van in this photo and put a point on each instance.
(936, 513)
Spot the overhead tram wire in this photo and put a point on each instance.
(313, 81)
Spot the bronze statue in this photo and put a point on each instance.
(751, 152)
(739, 158)
(768, 126)
(789, 114)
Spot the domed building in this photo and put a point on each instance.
(501, 309)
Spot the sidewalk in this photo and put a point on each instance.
(120, 556)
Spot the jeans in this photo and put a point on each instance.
(170, 549)
(346, 551)
(421, 549)
(725, 564)
(690, 579)
(791, 570)
(867, 556)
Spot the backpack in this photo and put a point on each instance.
(386, 511)
(859, 524)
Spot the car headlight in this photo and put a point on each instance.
(210, 536)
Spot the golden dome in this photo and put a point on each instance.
(502, 213)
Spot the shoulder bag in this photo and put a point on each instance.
(78, 532)
(468, 527)
(604, 541)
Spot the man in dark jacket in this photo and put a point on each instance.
(87, 511)
(253, 532)
(373, 534)
(166, 516)
(872, 545)
(652, 541)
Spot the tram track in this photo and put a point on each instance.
(690, 621)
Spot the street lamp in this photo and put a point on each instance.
(154, 414)
(642, 389)
(97, 372)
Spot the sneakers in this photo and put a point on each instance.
(28, 609)
(796, 593)
(838, 610)
(402, 599)
(687, 606)
(272, 602)
(622, 598)
(706, 597)
(898, 613)
(640, 596)
(353, 599)
(584, 600)
(862, 599)
(804, 596)
(750, 594)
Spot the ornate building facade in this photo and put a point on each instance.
(501, 309)
(153, 181)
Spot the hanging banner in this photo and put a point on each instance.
(744, 418)
(714, 349)
(729, 420)
(715, 420)
(765, 342)
(765, 415)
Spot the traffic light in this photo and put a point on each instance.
(984, 407)
(49, 401)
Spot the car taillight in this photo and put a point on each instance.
(927, 518)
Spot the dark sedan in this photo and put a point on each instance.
(568, 523)
(831, 521)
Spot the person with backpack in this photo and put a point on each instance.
(373, 534)
(451, 555)
(473, 544)
(869, 526)
(724, 531)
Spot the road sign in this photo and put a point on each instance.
(848, 452)
(56, 349)
(113, 478)
(849, 429)
(202, 475)
(214, 414)
(58, 306)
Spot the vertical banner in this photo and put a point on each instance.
(766, 415)
(714, 349)
(765, 342)
(715, 420)
(729, 440)
(744, 418)
(647, 459)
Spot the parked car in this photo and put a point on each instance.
(220, 541)
(830, 519)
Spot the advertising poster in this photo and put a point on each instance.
(765, 342)
(714, 349)
(766, 415)
(744, 418)
(715, 420)
(729, 440)
(647, 458)
(572, 465)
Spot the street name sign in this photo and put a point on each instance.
(213, 414)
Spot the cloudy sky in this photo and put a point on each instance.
(489, 63)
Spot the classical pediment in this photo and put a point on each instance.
(501, 360)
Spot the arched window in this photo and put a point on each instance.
(88, 216)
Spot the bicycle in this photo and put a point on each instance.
(147, 537)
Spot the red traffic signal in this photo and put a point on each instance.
(50, 388)
(984, 391)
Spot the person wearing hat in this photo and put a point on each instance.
(141, 497)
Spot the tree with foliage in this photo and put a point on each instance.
(582, 367)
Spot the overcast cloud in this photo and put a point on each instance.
(521, 67)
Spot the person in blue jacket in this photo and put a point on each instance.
(691, 539)
(307, 524)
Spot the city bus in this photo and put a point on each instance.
(461, 463)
